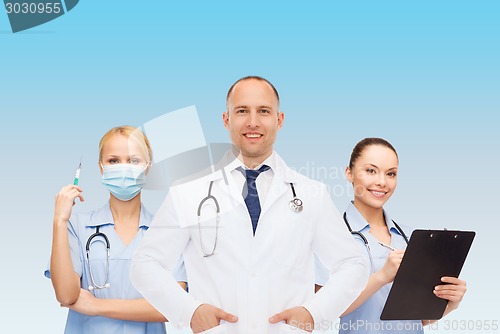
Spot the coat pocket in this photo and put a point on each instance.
(221, 329)
(289, 329)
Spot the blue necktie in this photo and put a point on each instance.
(250, 193)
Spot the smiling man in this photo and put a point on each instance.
(248, 234)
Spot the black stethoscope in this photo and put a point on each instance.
(365, 240)
(295, 204)
(87, 248)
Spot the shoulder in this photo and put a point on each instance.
(83, 221)
(197, 183)
(406, 229)
(146, 215)
(290, 175)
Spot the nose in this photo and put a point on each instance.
(253, 120)
(381, 179)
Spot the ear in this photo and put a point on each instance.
(348, 174)
(100, 167)
(281, 118)
(225, 119)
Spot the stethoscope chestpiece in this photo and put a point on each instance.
(296, 205)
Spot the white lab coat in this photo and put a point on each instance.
(252, 277)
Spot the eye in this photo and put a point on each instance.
(392, 174)
(370, 171)
(265, 111)
(241, 111)
(134, 161)
(113, 161)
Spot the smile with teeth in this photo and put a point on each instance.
(253, 135)
(378, 193)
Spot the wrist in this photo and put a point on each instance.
(98, 306)
(451, 306)
(381, 278)
(60, 222)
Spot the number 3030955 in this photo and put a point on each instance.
(33, 8)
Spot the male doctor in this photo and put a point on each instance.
(251, 267)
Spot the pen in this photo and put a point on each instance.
(387, 246)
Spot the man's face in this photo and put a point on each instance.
(253, 120)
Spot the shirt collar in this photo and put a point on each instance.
(270, 161)
(103, 216)
(355, 219)
(359, 223)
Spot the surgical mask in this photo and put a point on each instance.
(124, 181)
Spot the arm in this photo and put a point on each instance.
(154, 260)
(379, 279)
(347, 267)
(122, 309)
(454, 292)
(65, 280)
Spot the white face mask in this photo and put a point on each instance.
(124, 181)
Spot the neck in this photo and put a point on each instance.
(253, 162)
(126, 212)
(374, 216)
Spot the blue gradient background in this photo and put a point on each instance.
(423, 74)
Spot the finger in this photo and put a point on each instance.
(80, 197)
(450, 298)
(70, 187)
(449, 295)
(223, 315)
(75, 193)
(452, 280)
(69, 193)
(450, 287)
(282, 316)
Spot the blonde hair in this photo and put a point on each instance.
(132, 133)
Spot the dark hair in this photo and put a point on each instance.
(253, 77)
(361, 145)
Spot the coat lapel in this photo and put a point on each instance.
(280, 185)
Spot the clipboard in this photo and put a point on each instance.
(430, 255)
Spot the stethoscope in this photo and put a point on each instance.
(365, 240)
(295, 204)
(87, 248)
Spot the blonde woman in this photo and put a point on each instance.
(91, 252)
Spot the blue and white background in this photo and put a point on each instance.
(423, 74)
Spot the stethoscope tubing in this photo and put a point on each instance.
(296, 205)
(108, 252)
(365, 240)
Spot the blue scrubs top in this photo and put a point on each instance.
(80, 227)
(366, 318)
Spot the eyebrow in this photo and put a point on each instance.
(246, 107)
(117, 156)
(378, 167)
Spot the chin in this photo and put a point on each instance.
(373, 203)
